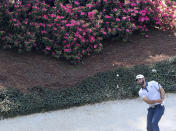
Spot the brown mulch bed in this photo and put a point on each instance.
(33, 69)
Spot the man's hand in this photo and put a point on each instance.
(158, 101)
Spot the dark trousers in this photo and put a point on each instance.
(153, 117)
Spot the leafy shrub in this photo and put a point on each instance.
(72, 31)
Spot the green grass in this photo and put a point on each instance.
(104, 86)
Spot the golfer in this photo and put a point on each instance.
(153, 94)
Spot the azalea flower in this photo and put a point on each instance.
(146, 36)
(76, 2)
(95, 46)
(107, 16)
(67, 50)
(43, 32)
(48, 48)
(55, 28)
(44, 9)
(127, 30)
(117, 19)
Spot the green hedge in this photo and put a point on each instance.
(104, 86)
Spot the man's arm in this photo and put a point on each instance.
(145, 99)
(162, 93)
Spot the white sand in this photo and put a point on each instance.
(120, 115)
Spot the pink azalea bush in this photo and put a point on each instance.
(166, 12)
(72, 31)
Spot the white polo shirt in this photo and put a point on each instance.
(151, 92)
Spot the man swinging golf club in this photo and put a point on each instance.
(153, 94)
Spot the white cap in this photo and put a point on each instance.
(139, 76)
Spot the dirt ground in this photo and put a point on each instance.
(33, 69)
